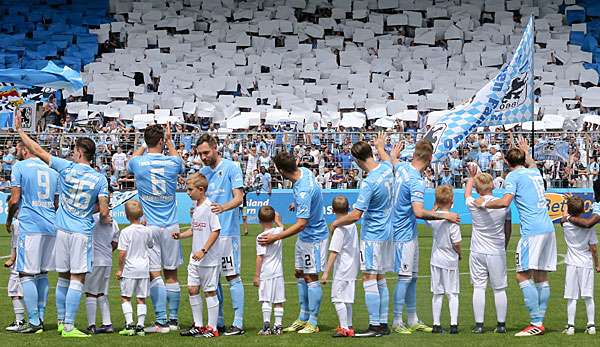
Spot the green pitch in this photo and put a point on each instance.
(517, 314)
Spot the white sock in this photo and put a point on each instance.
(453, 304)
(19, 308)
(436, 308)
(196, 303)
(342, 314)
(349, 310)
(590, 308)
(571, 310)
(141, 314)
(411, 318)
(91, 304)
(501, 305)
(266, 311)
(127, 312)
(478, 304)
(212, 305)
(104, 310)
(278, 312)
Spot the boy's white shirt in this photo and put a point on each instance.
(578, 245)
(103, 237)
(345, 243)
(272, 266)
(445, 234)
(204, 222)
(488, 227)
(136, 241)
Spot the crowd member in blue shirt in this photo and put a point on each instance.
(345, 158)
(374, 206)
(484, 159)
(82, 189)
(536, 250)
(311, 246)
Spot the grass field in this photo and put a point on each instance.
(517, 314)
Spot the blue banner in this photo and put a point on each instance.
(280, 200)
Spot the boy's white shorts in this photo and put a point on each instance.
(343, 291)
(484, 267)
(579, 282)
(134, 287)
(205, 277)
(97, 282)
(444, 281)
(272, 290)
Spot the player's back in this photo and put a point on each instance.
(222, 180)
(487, 234)
(347, 261)
(39, 184)
(527, 186)
(408, 188)
(136, 240)
(104, 236)
(375, 200)
(273, 255)
(444, 235)
(80, 186)
(309, 199)
(156, 181)
(578, 242)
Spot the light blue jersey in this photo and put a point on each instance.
(596, 208)
(527, 187)
(226, 177)
(408, 188)
(309, 205)
(375, 201)
(39, 184)
(80, 187)
(156, 181)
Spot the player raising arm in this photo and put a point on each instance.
(82, 188)
(536, 250)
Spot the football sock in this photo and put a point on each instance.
(91, 306)
(373, 301)
(531, 298)
(590, 310)
(453, 305)
(212, 305)
(127, 312)
(19, 309)
(349, 311)
(302, 299)
(278, 313)
(411, 302)
(315, 293)
(104, 310)
(220, 318)
(173, 299)
(399, 298)
(384, 296)
(266, 311)
(501, 305)
(72, 303)
(41, 283)
(571, 310)
(158, 294)
(236, 289)
(342, 313)
(543, 289)
(479, 304)
(141, 314)
(436, 308)
(62, 287)
(197, 310)
(30, 298)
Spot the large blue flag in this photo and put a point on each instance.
(51, 76)
(505, 99)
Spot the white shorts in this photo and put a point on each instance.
(35, 253)
(484, 267)
(406, 258)
(536, 252)
(579, 282)
(311, 257)
(96, 283)
(166, 253)
(272, 290)
(444, 281)
(74, 252)
(231, 255)
(137, 287)
(343, 291)
(14, 285)
(205, 277)
(376, 256)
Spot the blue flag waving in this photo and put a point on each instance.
(505, 99)
(51, 76)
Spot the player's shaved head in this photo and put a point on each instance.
(340, 204)
(133, 210)
(444, 196)
(266, 214)
(285, 162)
(575, 206)
(361, 151)
(87, 148)
(153, 134)
(515, 157)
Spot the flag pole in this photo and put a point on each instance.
(532, 93)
